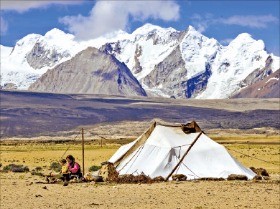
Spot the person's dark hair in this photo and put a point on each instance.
(70, 157)
(63, 161)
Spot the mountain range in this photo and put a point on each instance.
(151, 61)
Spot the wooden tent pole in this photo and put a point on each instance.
(83, 151)
(174, 169)
(140, 141)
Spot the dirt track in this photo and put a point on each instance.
(16, 192)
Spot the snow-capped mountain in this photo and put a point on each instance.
(187, 64)
(146, 46)
(167, 62)
(34, 54)
(234, 63)
(269, 87)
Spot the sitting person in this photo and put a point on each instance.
(73, 168)
(63, 173)
(64, 169)
(64, 166)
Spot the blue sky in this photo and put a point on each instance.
(222, 20)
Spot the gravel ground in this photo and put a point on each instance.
(21, 191)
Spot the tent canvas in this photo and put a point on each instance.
(164, 150)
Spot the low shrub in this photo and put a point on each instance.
(38, 169)
(94, 168)
(36, 173)
(16, 168)
(55, 166)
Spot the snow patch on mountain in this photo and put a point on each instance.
(276, 63)
(233, 64)
(151, 43)
(197, 51)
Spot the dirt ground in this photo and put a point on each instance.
(17, 191)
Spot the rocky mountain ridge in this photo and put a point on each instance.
(90, 72)
(166, 62)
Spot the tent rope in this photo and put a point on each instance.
(70, 144)
(182, 146)
(184, 165)
(190, 170)
(138, 152)
(254, 157)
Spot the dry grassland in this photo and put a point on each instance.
(21, 190)
(261, 148)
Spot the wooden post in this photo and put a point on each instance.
(183, 156)
(248, 149)
(83, 151)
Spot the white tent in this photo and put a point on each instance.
(164, 150)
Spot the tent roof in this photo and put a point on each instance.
(164, 136)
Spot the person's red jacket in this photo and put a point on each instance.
(74, 169)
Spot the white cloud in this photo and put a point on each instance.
(226, 41)
(108, 16)
(23, 6)
(251, 21)
(201, 23)
(3, 26)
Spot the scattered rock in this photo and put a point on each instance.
(260, 171)
(211, 179)
(92, 204)
(38, 195)
(129, 178)
(179, 177)
(237, 177)
(29, 183)
(108, 172)
(158, 179)
(257, 178)
(44, 187)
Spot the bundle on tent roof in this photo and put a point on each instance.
(191, 127)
